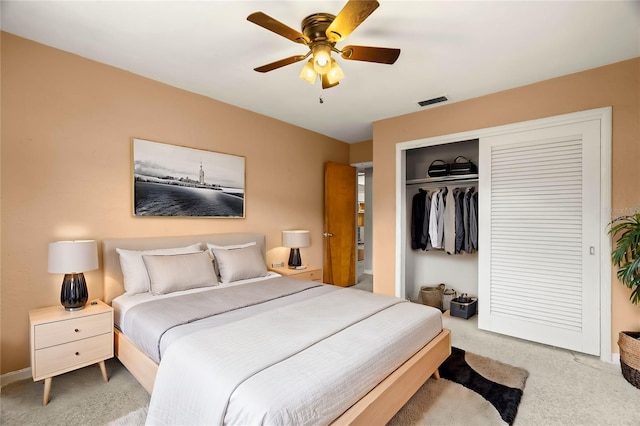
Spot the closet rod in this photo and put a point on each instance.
(447, 183)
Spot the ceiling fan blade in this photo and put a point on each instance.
(267, 22)
(326, 84)
(352, 14)
(281, 63)
(381, 55)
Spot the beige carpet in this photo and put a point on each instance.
(77, 398)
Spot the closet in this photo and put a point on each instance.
(541, 270)
(433, 266)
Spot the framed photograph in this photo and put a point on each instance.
(170, 180)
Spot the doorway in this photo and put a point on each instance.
(364, 228)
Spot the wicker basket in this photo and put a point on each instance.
(432, 296)
(630, 356)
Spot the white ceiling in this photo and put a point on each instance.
(458, 49)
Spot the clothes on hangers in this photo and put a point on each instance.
(444, 218)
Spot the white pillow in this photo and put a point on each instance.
(134, 272)
(176, 272)
(240, 263)
(229, 247)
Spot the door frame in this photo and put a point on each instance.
(368, 218)
(605, 116)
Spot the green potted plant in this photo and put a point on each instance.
(626, 256)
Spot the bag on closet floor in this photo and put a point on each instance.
(438, 168)
(448, 295)
(432, 296)
(462, 166)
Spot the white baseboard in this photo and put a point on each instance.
(615, 359)
(14, 376)
(368, 271)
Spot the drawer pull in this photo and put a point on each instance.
(76, 330)
(77, 353)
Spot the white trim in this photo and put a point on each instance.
(605, 240)
(605, 116)
(615, 359)
(401, 225)
(14, 376)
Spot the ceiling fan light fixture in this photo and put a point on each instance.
(322, 58)
(320, 33)
(335, 73)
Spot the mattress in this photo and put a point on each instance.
(154, 324)
(303, 356)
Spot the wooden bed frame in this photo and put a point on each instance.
(376, 407)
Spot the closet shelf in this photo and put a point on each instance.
(457, 178)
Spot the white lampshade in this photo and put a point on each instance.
(296, 238)
(68, 257)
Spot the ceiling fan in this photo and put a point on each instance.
(320, 33)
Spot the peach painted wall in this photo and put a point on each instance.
(616, 85)
(361, 152)
(67, 126)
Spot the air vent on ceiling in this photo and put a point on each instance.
(433, 101)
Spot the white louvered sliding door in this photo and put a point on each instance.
(539, 271)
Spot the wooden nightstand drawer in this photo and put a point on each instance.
(313, 275)
(58, 359)
(55, 333)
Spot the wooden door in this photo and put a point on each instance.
(539, 276)
(339, 224)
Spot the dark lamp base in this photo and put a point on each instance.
(74, 292)
(294, 258)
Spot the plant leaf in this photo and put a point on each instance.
(626, 254)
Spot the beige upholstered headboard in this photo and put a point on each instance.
(112, 274)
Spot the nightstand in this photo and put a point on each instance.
(313, 274)
(63, 341)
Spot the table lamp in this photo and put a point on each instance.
(295, 239)
(72, 258)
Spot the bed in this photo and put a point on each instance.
(240, 347)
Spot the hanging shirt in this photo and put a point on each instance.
(473, 221)
(433, 219)
(436, 218)
(458, 196)
(417, 218)
(467, 216)
(442, 199)
(425, 241)
(450, 223)
(468, 194)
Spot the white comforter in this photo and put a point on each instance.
(305, 363)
